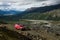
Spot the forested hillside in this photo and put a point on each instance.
(49, 15)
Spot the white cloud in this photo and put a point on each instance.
(22, 5)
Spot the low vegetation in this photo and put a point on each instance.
(50, 15)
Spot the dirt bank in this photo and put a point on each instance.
(6, 34)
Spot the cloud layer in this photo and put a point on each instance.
(22, 5)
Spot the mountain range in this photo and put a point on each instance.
(16, 15)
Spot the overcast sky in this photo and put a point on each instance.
(22, 5)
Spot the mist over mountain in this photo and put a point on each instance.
(19, 8)
(22, 5)
(9, 13)
(41, 9)
(30, 13)
(29, 10)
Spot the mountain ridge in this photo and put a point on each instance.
(39, 10)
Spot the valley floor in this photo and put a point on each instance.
(40, 30)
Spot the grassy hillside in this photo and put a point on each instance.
(51, 15)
